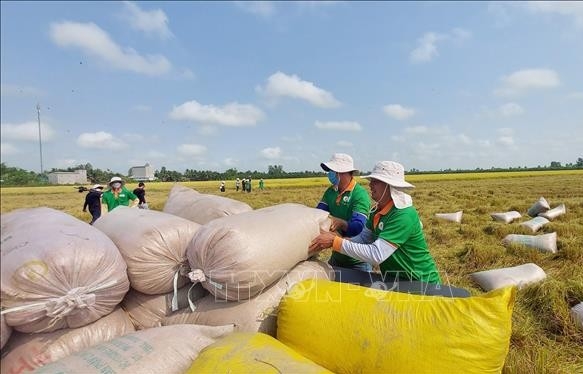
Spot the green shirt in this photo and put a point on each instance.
(402, 228)
(352, 200)
(123, 198)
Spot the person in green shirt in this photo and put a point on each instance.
(348, 204)
(118, 195)
(393, 237)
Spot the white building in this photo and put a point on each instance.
(142, 173)
(68, 177)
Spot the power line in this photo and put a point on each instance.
(40, 143)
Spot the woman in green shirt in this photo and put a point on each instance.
(118, 195)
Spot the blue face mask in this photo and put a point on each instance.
(333, 177)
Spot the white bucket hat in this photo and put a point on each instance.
(340, 163)
(115, 179)
(393, 174)
(97, 186)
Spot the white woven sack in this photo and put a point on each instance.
(577, 314)
(5, 332)
(147, 311)
(546, 242)
(506, 217)
(554, 213)
(535, 224)
(153, 244)
(201, 208)
(256, 314)
(57, 271)
(539, 207)
(167, 350)
(27, 352)
(519, 276)
(238, 256)
(453, 217)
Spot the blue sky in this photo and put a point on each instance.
(218, 85)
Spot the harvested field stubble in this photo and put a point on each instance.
(544, 338)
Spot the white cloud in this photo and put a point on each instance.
(232, 114)
(338, 125)
(230, 161)
(511, 109)
(207, 130)
(398, 112)
(155, 155)
(398, 138)
(153, 22)
(7, 149)
(191, 150)
(525, 80)
(564, 8)
(94, 41)
(27, 131)
(283, 85)
(575, 95)
(271, 153)
(100, 140)
(261, 8)
(344, 144)
(19, 91)
(427, 44)
(187, 74)
(506, 140)
(417, 130)
(505, 131)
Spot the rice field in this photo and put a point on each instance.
(544, 337)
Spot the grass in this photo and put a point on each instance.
(544, 338)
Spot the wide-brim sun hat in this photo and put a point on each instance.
(115, 179)
(340, 163)
(393, 174)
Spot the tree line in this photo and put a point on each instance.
(14, 176)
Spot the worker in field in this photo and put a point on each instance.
(348, 204)
(140, 192)
(118, 195)
(393, 237)
(93, 202)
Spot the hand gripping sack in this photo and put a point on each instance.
(27, 352)
(153, 245)
(236, 257)
(159, 350)
(57, 271)
(201, 208)
(257, 314)
(352, 329)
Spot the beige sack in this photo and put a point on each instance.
(236, 257)
(147, 311)
(539, 207)
(452, 217)
(57, 271)
(153, 245)
(5, 332)
(258, 314)
(535, 224)
(577, 315)
(27, 352)
(201, 208)
(545, 243)
(506, 217)
(519, 276)
(167, 350)
(554, 213)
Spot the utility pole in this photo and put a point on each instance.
(40, 142)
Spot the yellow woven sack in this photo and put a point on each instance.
(251, 353)
(352, 329)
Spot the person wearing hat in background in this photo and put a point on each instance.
(393, 237)
(348, 204)
(118, 195)
(93, 201)
(140, 192)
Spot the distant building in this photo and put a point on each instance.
(142, 173)
(68, 177)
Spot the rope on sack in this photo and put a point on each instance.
(61, 306)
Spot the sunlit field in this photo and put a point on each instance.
(544, 339)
